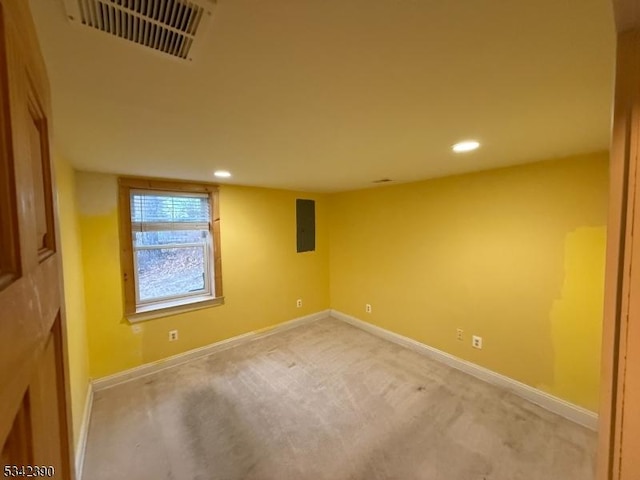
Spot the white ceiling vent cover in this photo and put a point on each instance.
(168, 26)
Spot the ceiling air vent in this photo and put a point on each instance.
(168, 26)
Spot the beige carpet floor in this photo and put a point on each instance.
(326, 401)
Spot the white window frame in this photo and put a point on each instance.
(207, 248)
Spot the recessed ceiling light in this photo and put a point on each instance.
(222, 174)
(465, 146)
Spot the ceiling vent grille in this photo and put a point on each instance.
(167, 26)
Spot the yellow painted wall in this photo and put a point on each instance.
(72, 268)
(515, 255)
(262, 275)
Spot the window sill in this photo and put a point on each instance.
(175, 307)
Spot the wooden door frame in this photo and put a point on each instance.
(624, 209)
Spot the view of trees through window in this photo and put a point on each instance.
(171, 244)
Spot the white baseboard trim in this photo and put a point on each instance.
(84, 432)
(149, 368)
(556, 405)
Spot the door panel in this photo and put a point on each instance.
(9, 253)
(41, 172)
(44, 404)
(17, 450)
(34, 427)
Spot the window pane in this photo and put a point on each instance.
(165, 272)
(142, 239)
(168, 208)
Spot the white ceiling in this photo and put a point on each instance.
(329, 95)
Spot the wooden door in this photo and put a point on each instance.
(34, 427)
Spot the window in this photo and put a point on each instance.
(170, 247)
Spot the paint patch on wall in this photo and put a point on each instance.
(97, 193)
(576, 318)
(263, 275)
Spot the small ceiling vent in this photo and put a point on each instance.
(168, 26)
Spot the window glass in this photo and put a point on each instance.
(168, 237)
(170, 272)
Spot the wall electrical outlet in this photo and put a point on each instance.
(299, 303)
(476, 342)
(367, 308)
(460, 334)
(173, 335)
